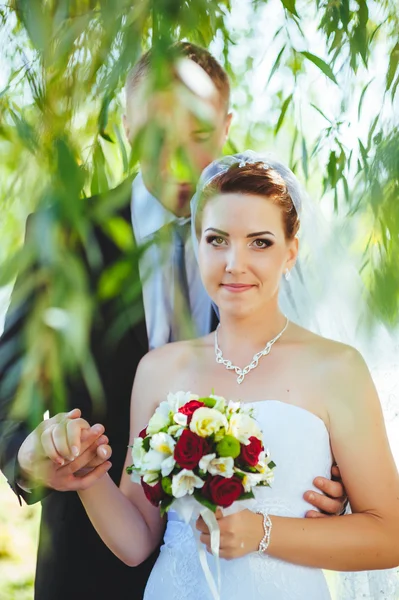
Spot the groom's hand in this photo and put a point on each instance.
(64, 453)
(333, 499)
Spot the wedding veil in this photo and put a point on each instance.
(326, 294)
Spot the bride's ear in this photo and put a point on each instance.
(293, 249)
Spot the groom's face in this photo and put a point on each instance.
(179, 135)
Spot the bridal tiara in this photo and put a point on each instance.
(249, 161)
(249, 157)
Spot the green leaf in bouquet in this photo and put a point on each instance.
(204, 501)
(166, 483)
(165, 504)
(246, 496)
(130, 469)
(146, 443)
(271, 464)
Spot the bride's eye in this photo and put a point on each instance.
(261, 243)
(215, 240)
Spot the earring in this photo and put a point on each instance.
(287, 275)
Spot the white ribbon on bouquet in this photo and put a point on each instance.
(188, 510)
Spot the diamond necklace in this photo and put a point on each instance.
(254, 363)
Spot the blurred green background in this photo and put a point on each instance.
(315, 81)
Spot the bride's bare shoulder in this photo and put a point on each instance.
(174, 356)
(336, 356)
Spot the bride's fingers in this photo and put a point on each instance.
(73, 431)
(332, 506)
(201, 525)
(334, 489)
(48, 447)
(91, 458)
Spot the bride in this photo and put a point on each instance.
(313, 397)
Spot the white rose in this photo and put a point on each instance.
(184, 483)
(207, 421)
(160, 419)
(242, 427)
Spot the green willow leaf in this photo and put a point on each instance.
(276, 63)
(321, 64)
(305, 159)
(290, 6)
(284, 108)
(393, 65)
(394, 88)
(359, 110)
(321, 112)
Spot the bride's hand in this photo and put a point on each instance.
(240, 533)
(333, 499)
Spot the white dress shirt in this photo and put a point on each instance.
(156, 269)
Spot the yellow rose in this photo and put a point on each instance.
(207, 421)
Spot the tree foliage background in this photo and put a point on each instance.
(315, 79)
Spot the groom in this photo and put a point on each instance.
(70, 552)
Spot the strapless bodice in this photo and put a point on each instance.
(299, 444)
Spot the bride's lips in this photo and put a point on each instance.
(236, 287)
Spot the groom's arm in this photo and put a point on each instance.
(332, 499)
(13, 429)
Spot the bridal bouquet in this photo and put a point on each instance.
(203, 449)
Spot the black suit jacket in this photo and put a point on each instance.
(73, 562)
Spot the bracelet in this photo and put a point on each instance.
(267, 528)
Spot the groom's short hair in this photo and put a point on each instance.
(199, 55)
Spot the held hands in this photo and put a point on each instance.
(333, 499)
(64, 453)
(240, 533)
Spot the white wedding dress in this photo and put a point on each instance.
(299, 444)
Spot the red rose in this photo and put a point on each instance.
(153, 493)
(189, 449)
(250, 454)
(189, 409)
(143, 433)
(223, 491)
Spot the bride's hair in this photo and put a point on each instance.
(256, 179)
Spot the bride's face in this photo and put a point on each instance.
(243, 252)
